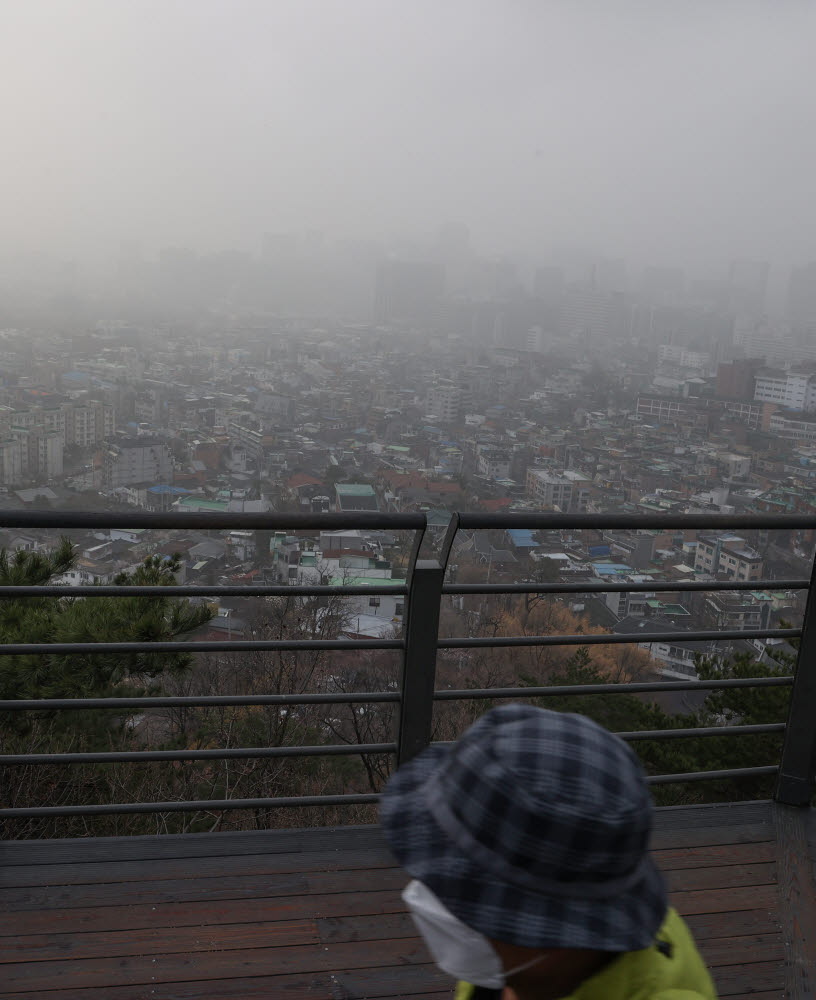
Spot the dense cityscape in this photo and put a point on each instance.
(437, 380)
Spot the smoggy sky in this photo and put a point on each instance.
(677, 131)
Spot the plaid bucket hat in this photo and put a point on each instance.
(532, 829)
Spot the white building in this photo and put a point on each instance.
(794, 389)
(681, 356)
(549, 488)
(444, 401)
(493, 463)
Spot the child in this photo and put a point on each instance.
(527, 842)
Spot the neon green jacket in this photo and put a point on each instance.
(671, 969)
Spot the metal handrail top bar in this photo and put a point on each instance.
(272, 521)
(546, 521)
(250, 590)
(600, 587)
(203, 646)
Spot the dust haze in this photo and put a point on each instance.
(662, 133)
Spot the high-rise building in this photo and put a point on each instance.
(801, 305)
(748, 285)
(407, 290)
(444, 401)
(793, 389)
(736, 380)
(591, 313)
(663, 284)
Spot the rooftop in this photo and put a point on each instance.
(354, 490)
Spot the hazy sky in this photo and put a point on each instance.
(656, 130)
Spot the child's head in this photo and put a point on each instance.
(532, 831)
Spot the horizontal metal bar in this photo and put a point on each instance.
(205, 805)
(272, 521)
(604, 639)
(204, 646)
(673, 734)
(545, 521)
(250, 590)
(228, 753)
(210, 700)
(670, 734)
(216, 805)
(636, 687)
(733, 772)
(613, 588)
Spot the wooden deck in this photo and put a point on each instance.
(317, 913)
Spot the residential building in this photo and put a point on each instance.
(137, 460)
(549, 489)
(355, 496)
(729, 610)
(444, 401)
(675, 655)
(727, 555)
(11, 462)
(493, 463)
(797, 429)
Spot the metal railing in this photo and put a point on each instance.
(423, 592)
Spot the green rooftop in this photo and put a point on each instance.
(354, 490)
(202, 504)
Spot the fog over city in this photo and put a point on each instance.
(407, 384)
(662, 133)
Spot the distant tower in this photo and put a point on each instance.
(407, 290)
(748, 285)
(801, 305)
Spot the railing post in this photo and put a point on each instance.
(419, 662)
(796, 773)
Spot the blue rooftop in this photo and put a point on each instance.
(522, 538)
(163, 489)
(611, 569)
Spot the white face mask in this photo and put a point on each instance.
(457, 949)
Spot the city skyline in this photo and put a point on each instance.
(674, 136)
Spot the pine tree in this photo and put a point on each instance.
(95, 619)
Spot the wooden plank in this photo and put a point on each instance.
(713, 814)
(164, 939)
(725, 900)
(746, 949)
(211, 965)
(204, 913)
(366, 928)
(86, 873)
(721, 878)
(189, 845)
(747, 980)
(763, 995)
(708, 926)
(711, 836)
(161, 940)
(797, 907)
(679, 858)
(156, 893)
(404, 981)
